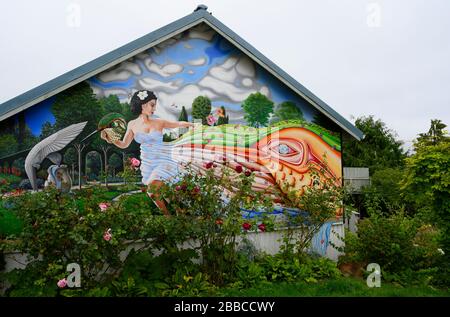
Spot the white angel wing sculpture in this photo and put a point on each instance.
(48, 148)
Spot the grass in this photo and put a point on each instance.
(342, 287)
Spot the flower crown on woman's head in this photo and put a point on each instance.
(142, 94)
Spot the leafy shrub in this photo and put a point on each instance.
(317, 204)
(211, 202)
(59, 229)
(184, 284)
(278, 268)
(405, 249)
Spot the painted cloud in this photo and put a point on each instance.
(196, 63)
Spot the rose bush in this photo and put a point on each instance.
(212, 199)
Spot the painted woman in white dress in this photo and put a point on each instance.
(157, 165)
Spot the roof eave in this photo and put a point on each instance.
(85, 71)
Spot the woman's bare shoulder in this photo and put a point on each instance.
(132, 123)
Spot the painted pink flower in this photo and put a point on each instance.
(135, 162)
(107, 235)
(104, 206)
(62, 283)
(248, 173)
(262, 227)
(246, 226)
(238, 169)
(208, 165)
(211, 120)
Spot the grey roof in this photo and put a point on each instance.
(120, 54)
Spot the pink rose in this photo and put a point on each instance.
(107, 235)
(62, 283)
(103, 206)
(135, 162)
(211, 120)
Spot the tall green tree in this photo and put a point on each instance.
(257, 109)
(379, 148)
(115, 163)
(94, 162)
(47, 129)
(28, 140)
(183, 114)
(8, 144)
(77, 104)
(110, 104)
(201, 108)
(435, 135)
(427, 181)
(287, 110)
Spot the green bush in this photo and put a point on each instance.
(62, 229)
(317, 204)
(279, 268)
(406, 250)
(217, 219)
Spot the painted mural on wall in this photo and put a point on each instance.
(194, 98)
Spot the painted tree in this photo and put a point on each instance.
(79, 147)
(94, 163)
(115, 162)
(110, 104)
(183, 114)
(77, 104)
(70, 159)
(47, 129)
(8, 145)
(287, 110)
(201, 108)
(105, 149)
(257, 109)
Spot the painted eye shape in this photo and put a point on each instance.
(284, 149)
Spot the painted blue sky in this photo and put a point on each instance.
(183, 52)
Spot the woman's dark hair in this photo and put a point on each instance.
(139, 98)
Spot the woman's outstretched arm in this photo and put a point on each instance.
(122, 144)
(176, 124)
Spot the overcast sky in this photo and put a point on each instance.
(387, 58)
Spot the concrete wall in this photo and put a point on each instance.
(268, 242)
